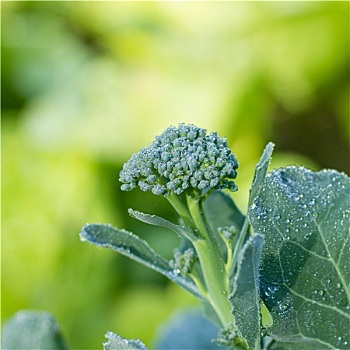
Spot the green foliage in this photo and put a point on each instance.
(116, 342)
(245, 298)
(181, 230)
(188, 330)
(301, 275)
(261, 171)
(32, 330)
(135, 248)
(304, 217)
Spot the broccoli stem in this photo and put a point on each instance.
(180, 206)
(209, 255)
(212, 263)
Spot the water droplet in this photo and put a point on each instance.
(338, 285)
(321, 292)
(312, 202)
(176, 272)
(283, 307)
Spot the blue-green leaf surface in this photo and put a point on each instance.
(305, 270)
(132, 246)
(159, 221)
(220, 210)
(245, 299)
(261, 171)
(116, 342)
(32, 330)
(293, 346)
(188, 330)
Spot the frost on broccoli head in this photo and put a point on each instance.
(182, 158)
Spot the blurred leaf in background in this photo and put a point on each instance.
(86, 84)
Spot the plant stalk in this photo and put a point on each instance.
(212, 263)
(209, 255)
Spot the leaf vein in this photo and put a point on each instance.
(334, 263)
(317, 303)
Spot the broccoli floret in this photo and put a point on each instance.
(182, 158)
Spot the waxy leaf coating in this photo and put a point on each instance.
(245, 299)
(135, 248)
(305, 270)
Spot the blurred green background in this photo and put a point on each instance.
(86, 84)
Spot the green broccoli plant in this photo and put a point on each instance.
(288, 258)
(276, 278)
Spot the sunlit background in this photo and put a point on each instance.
(86, 84)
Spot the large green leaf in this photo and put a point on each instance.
(33, 330)
(305, 270)
(132, 246)
(245, 299)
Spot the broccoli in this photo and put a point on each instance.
(182, 158)
(185, 165)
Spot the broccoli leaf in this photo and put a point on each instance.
(116, 342)
(260, 171)
(159, 221)
(305, 269)
(245, 299)
(33, 330)
(132, 246)
(188, 330)
(220, 210)
(292, 346)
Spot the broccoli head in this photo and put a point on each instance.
(182, 158)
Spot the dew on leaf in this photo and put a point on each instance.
(176, 272)
(312, 202)
(277, 217)
(316, 221)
